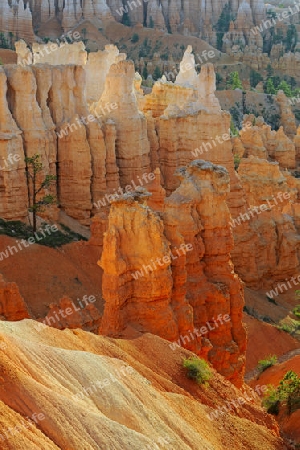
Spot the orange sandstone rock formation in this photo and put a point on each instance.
(134, 235)
(74, 314)
(287, 117)
(259, 140)
(12, 305)
(14, 200)
(143, 266)
(93, 156)
(132, 145)
(267, 229)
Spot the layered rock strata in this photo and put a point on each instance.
(98, 157)
(80, 152)
(151, 284)
(13, 190)
(109, 393)
(190, 18)
(16, 18)
(131, 124)
(268, 224)
(261, 141)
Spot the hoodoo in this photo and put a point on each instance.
(149, 225)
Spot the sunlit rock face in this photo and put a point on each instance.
(13, 205)
(145, 264)
(109, 392)
(98, 144)
(132, 144)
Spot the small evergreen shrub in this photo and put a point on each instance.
(263, 364)
(296, 311)
(197, 369)
(287, 393)
(135, 38)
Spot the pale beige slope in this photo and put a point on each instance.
(33, 439)
(42, 370)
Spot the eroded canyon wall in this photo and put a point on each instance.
(172, 275)
(130, 135)
(98, 149)
(192, 17)
(45, 112)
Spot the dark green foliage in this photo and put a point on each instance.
(270, 71)
(237, 115)
(3, 41)
(222, 26)
(220, 41)
(145, 73)
(145, 49)
(135, 38)
(34, 167)
(296, 311)
(157, 73)
(283, 86)
(20, 230)
(271, 300)
(255, 78)
(236, 160)
(287, 393)
(219, 79)
(165, 56)
(234, 81)
(269, 87)
(291, 38)
(151, 22)
(278, 38)
(126, 20)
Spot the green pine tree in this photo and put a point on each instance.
(283, 86)
(234, 81)
(157, 73)
(34, 167)
(270, 88)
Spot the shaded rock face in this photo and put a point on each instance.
(12, 304)
(191, 17)
(16, 18)
(135, 237)
(173, 275)
(270, 229)
(69, 314)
